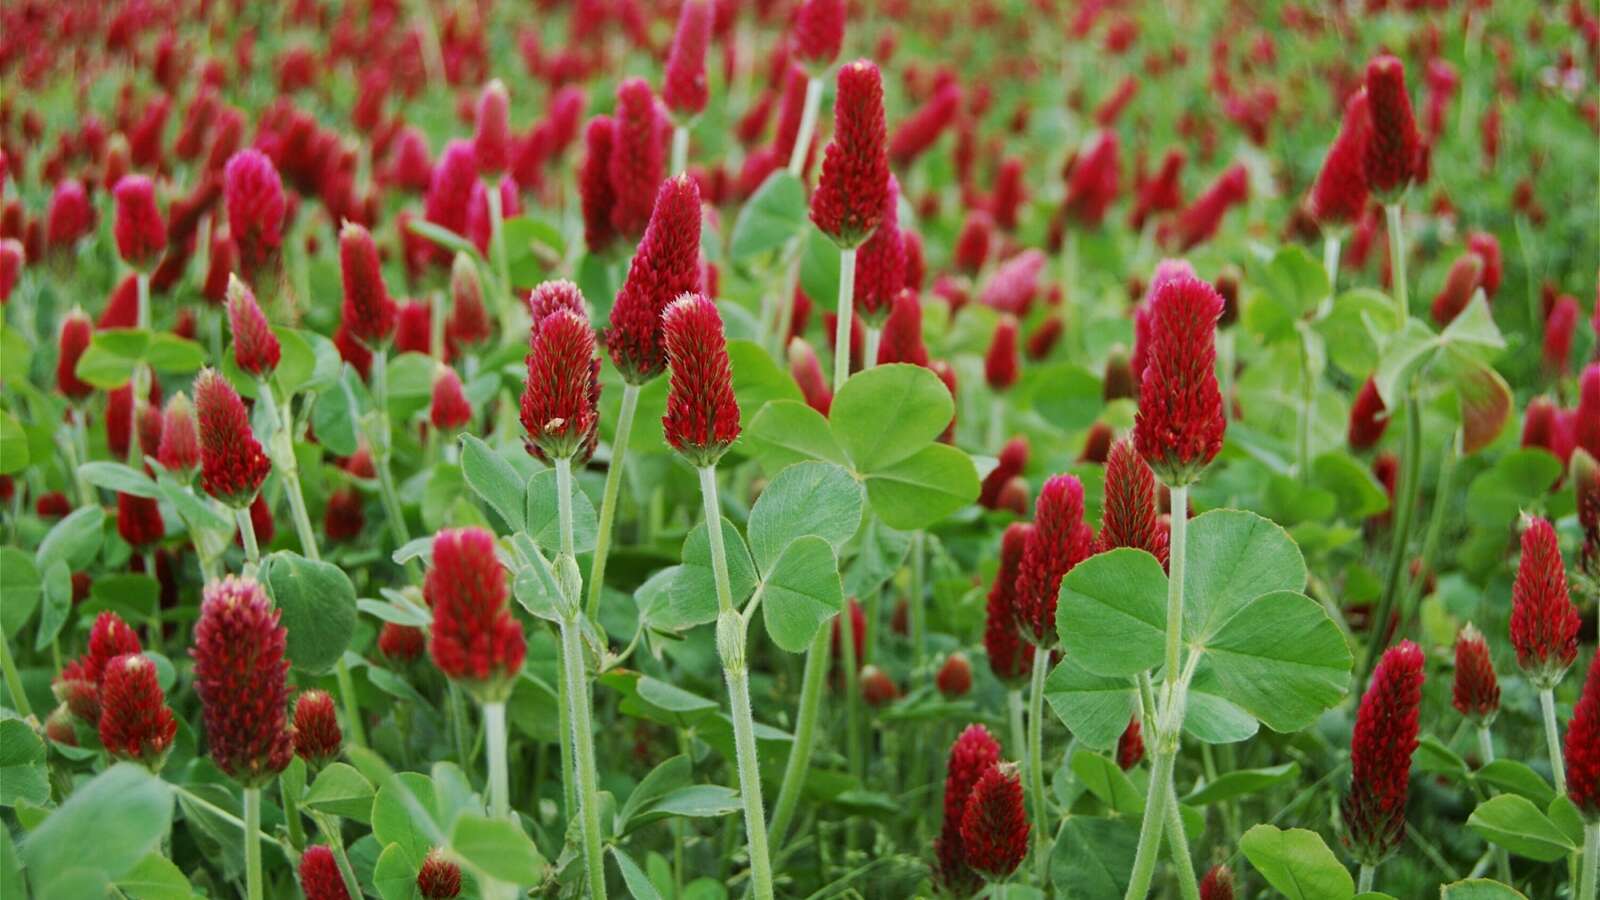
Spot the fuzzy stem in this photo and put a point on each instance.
(1041, 815)
(283, 461)
(808, 126)
(458, 725)
(784, 320)
(805, 730)
(916, 609)
(247, 534)
(583, 756)
(252, 842)
(719, 553)
(1552, 737)
(569, 782)
(347, 699)
(563, 468)
(328, 824)
(997, 422)
(1364, 883)
(1177, 555)
(869, 358)
(846, 309)
(608, 502)
(1406, 492)
(1430, 539)
(497, 245)
(19, 699)
(1590, 873)
(1330, 260)
(291, 816)
(1397, 259)
(680, 149)
(1502, 860)
(1014, 705)
(1178, 847)
(154, 624)
(1308, 392)
(1150, 829)
(494, 738)
(390, 496)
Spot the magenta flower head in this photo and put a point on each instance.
(1130, 746)
(1544, 623)
(1368, 417)
(1459, 284)
(666, 266)
(179, 451)
(232, 464)
(448, 410)
(1487, 247)
(439, 878)
(255, 347)
(1060, 540)
(1374, 809)
(1393, 143)
(1218, 884)
(994, 825)
(1094, 181)
(69, 218)
(560, 398)
(922, 128)
(818, 33)
(1475, 691)
(551, 296)
(638, 157)
(368, 313)
(902, 332)
(702, 417)
(475, 640)
(317, 738)
(1179, 425)
(1130, 517)
(1001, 363)
(683, 87)
(450, 190)
(849, 200)
(974, 753)
(1583, 746)
(139, 231)
(595, 194)
(139, 521)
(491, 135)
(1010, 657)
(12, 258)
(239, 673)
(253, 194)
(135, 721)
(320, 878)
(1339, 195)
(76, 332)
(881, 263)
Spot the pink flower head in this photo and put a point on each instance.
(450, 189)
(232, 464)
(135, 721)
(469, 323)
(683, 86)
(1368, 417)
(1583, 746)
(560, 399)
(474, 639)
(1374, 809)
(139, 231)
(317, 738)
(1475, 691)
(255, 347)
(1010, 657)
(807, 374)
(702, 417)
(849, 200)
(1394, 143)
(491, 136)
(994, 824)
(1059, 541)
(1339, 196)
(449, 410)
(1178, 428)
(70, 217)
(666, 266)
(637, 161)
(881, 263)
(76, 332)
(240, 675)
(1487, 248)
(1544, 623)
(253, 195)
(595, 194)
(1094, 181)
(1130, 517)
(817, 33)
(1001, 364)
(368, 314)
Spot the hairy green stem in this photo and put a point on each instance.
(19, 699)
(291, 816)
(1552, 737)
(1406, 494)
(846, 311)
(917, 609)
(1014, 706)
(1364, 883)
(494, 738)
(1041, 806)
(328, 824)
(1151, 827)
(247, 534)
(1589, 874)
(608, 502)
(1502, 860)
(869, 355)
(1397, 259)
(805, 732)
(381, 449)
(252, 842)
(583, 756)
(808, 126)
(497, 245)
(1178, 847)
(680, 149)
(1430, 540)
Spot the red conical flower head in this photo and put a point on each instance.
(449, 410)
(1583, 747)
(1459, 285)
(666, 266)
(902, 332)
(253, 195)
(994, 825)
(954, 678)
(560, 399)
(881, 263)
(595, 194)
(1368, 417)
(638, 159)
(76, 332)
(491, 135)
(973, 753)
(702, 417)
(179, 451)
(1130, 746)
(1179, 425)
(1130, 517)
(232, 464)
(848, 203)
(1060, 540)
(1339, 196)
(1010, 657)
(818, 32)
(1544, 623)
(475, 639)
(1218, 884)
(1374, 809)
(807, 373)
(135, 721)
(439, 878)
(1394, 142)
(320, 878)
(255, 347)
(139, 231)
(368, 314)
(239, 674)
(139, 521)
(1475, 691)
(317, 738)
(683, 86)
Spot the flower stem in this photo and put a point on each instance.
(1144, 860)
(1552, 737)
(583, 756)
(731, 648)
(291, 816)
(680, 149)
(608, 502)
(328, 824)
(916, 609)
(1178, 846)
(1590, 873)
(1368, 870)
(1397, 259)
(1177, 558)
(1041, 815)
(869, 357)
(1406, 493)
(497, 245)
(19, 699)
(1502, 860)
(805, 731)
(252, 842)
(494, 738)
(846, 310)
(808, 126)
(380, 442)
(247, 534)
(347, 699)
(563, 468)
(1308, 393)
(1014, 703)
